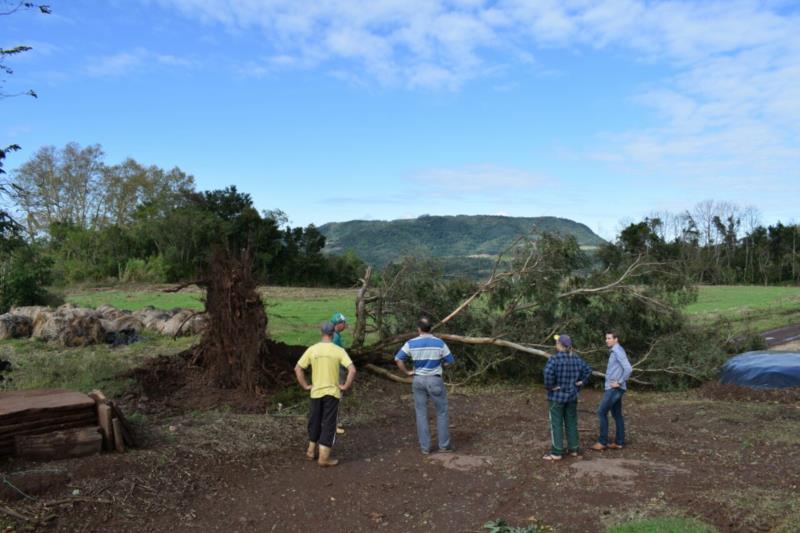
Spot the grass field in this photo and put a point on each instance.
(294, 314)
(750, 307)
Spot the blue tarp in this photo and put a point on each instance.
(763, 370)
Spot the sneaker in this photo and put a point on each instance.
(447, 449)
(598, 447)
(425, 452)
(615, 446)
(340, 430)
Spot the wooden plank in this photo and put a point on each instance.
(60, 444)
(34, 401)
(9, 440)
(104, 419)
(90, 417)
(50, 414)
(127, 430)
(119, 443)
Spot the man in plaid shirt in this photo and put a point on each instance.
(564, 375)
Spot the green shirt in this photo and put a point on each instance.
(337, 339)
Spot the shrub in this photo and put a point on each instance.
(152, 270)
(23, 275)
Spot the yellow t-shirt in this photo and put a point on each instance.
(325, 358)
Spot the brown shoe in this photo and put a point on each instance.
(311, 453)
(598, 447)
(615, 446)
(325, 457)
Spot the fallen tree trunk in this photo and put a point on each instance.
(388, 375)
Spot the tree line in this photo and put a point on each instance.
(717, 243)
(88, 221)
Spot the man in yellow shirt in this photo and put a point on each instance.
(325, 359)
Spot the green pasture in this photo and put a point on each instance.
(747, 307)
(294, 314)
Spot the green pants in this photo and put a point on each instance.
(563, 414)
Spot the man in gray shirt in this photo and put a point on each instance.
(617, 373)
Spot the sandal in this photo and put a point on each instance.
(552, 457)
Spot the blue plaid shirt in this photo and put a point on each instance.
(561, 373)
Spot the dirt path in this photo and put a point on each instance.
(782, 336)
(733, 464)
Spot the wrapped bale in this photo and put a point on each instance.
(30, 311)
(15, 326)
(123, 330)
(176, 325)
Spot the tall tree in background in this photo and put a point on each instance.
(73, 185)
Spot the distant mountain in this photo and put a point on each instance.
(458, 240)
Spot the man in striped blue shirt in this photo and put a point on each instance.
(428, 354)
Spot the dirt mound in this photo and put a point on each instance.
(735, 393)
(174, 384)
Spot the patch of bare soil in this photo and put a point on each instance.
(220, 470)
(728, 392)
(174, 385)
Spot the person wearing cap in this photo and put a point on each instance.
(618, 371)
(564, 375)
(325, 359)
(429, 354)
(339, 322)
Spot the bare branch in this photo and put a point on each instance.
(388, 375)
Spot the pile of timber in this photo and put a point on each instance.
(47, 424)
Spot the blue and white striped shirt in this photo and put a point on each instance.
(428, 353)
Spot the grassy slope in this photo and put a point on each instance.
(748, 307)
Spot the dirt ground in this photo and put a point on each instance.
(717, 454)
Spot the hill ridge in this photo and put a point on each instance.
(379, 242)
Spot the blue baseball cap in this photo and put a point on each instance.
(327, 328)
(565, 341)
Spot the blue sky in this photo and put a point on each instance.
(599, 111)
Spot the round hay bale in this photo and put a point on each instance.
(176, 325)
(46, 326)
(30, 311)
(82, 331)
(152, 319)
(15, 326)
(196, 325)
(125, 322)
(109, 312)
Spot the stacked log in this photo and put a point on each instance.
(42, 411)
(46, 424)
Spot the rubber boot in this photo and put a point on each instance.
(325, 457)
(311, 454)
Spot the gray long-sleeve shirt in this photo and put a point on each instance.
(619, 368)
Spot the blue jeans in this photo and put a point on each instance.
(612, 401)
(432, 387)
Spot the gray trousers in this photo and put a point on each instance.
(425, 387)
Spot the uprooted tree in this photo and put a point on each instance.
(542, 285)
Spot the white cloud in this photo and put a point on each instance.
(123, 63)
(486, 181)
(729, 106)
